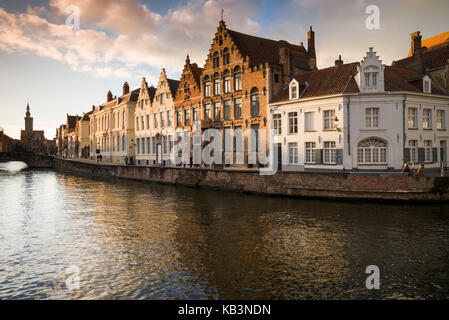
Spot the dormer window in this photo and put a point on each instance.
(370, 79)
(426, 84)
(294, 90)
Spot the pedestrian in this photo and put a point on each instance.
(101, 157)
(405, 169)
(420, 171)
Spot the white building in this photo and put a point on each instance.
(154, 122)
(112, 130)
(360, 116)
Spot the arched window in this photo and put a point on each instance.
(254, 102)
(217, 90)
(237, 78)
(216, 60)
(226, 56)
(372, 151)
(186, 91)
(206, 82)
(226, 82)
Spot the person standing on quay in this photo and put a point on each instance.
(405, 169)
(420, 171)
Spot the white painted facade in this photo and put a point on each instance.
(370, 130)
(154, 124)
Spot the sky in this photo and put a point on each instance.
(59, 70)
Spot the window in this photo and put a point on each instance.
(277, 123)
(309, 121)
(413, 144)
(329, 116)
(427, 119)
(137, 123)
(138, 145)
(155, 121)
(227, 110)
(148, 145)
(237, 79)
(374, 78)
(293, 153)
(206, 87)
(162, 98)
(441, 119)
(142, 119)
(226, 56)
(195, 114)
(276, 78)
(426, 86)
(428, 150)
(330, 153)
(207, 113)
(238, 108)
(148, 121)
(310, 152)
(164, 144)
(169, 118)
(412, 118)
(217, 111)
(372, 151)
(216, 60)
(254, 102)
(372, 117)
(293, 122)
(367, 78)
(143, 145)
(187, 116)
(162, 119)
(123, 143)
(186, 91)
(294, 91)
(153, 143)
(217, 90)
(178, 118)
(227, 84)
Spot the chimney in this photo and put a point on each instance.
(109, 96)
(311, 48)
(284, 57)
(125, 88)
(416, 41)
(339, 62)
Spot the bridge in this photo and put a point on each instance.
(33, 160)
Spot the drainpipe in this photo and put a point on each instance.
(403, 127)
(349, 126)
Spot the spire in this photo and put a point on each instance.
(222, 24)
(187, 59)
(28, 110)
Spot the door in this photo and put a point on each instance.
(159, 153)
(443, 152)
(278, 156)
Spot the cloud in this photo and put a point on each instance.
(120, 38)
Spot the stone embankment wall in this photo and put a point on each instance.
(299, 184)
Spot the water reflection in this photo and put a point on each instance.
(138, 240)
(13, 166)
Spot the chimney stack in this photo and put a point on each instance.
(125, 88)
(284, 57)
(416, 41)
(339, 62)
(109, 96)
(311, 48)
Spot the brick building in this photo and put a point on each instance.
(241, 74)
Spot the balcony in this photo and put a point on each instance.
(206, 124)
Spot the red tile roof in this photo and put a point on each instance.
(434, 57)
(324, 82)
(433, 41)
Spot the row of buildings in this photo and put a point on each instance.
(263, 94)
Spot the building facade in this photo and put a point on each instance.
(154, 123)
(241, 75)
(112, 131)
(360, 116)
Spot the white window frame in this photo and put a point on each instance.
(412, 118)
(428, 154)
(277, 123)
(372, 117)
(293, 122)
(330, 152)
(427, 118)
(441, 119)
(310, 148)
(328, 117)
(293, 157)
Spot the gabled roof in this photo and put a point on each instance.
(71, 121)
(261, 50)
(324, 82)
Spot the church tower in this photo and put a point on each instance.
(28, 121)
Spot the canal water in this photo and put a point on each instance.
(67, 237)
